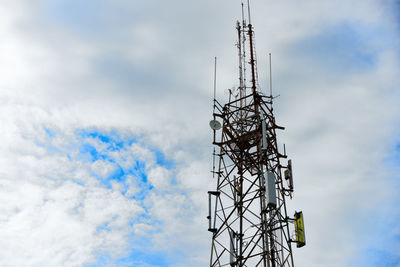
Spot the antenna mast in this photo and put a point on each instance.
(252, 53)
(247, 212)
(270, 77)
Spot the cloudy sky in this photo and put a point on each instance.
(106, 148)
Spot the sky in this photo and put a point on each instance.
(106, 150)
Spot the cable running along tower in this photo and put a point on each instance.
(247, 216)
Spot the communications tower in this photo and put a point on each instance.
(247, 212)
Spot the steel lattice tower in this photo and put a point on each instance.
(247, 211)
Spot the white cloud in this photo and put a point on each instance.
(142, 229)
(160, 178)
(103, 168)
(150, 75)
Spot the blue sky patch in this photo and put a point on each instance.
(380, 232)
(378, 257)
(49, 132)
(89, 150)
(162, 160)
(112, 139)
(142, 258)
(83, 16)
(104, 227)
(127, 74)
(138, 170)
(342, 48)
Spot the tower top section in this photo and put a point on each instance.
(247, 214)
(247, 59)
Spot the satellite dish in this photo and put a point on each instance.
(215, 125)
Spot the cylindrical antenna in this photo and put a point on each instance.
(270, 77)
(242, 14)
(213, 171)
(215, 79)
(264, 134)
(248, 10)
(214, 104)
(209, 211)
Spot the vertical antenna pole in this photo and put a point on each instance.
(242, 13)
(248, 10)
(214, 104)
(239, 46)
(215, 80)
(252, 59)
(243, 53)
(270, 77)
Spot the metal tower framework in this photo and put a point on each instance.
(247, 218)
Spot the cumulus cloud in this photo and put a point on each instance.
(104, 111)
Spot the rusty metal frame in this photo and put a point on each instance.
(262, 234)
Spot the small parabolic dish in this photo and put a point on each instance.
(215, 125)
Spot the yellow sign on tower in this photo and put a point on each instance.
(299, 225)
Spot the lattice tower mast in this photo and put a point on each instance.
(247, 211)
